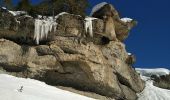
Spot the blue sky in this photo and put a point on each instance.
(149, 40)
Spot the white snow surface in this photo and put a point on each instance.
(152, 92)
(32, 90)
(126, 20)
(156, 71)
(97, 7)
(89, 25)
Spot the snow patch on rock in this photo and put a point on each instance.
(17, 13)
(126, 20)
(129, 54)
(97, 7)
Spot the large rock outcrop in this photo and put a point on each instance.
(69, 56)
(90, 67)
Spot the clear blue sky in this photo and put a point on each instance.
(150, 40)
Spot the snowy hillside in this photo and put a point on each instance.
(11, 89)
(152, 92)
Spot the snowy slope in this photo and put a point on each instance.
(152, 92)
(32, 90)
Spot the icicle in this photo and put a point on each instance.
(89, 25)
(43, 27)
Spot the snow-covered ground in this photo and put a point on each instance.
(152, 92)
(13, 88)
(10, 89)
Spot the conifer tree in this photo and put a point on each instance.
(6, 3)
(24, 5)
(53, 7)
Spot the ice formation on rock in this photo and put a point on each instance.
(42, 28)
(97, 7)
(89, 25)
(44, 25)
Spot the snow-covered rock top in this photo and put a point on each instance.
(4, 8)
(156, 71)
(126, 20)
(97, 7)
(13, 88)
(129, 54)
(16, 13)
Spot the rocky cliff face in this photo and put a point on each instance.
(69, 57)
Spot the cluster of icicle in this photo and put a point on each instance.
(44, 25)
(89, 25)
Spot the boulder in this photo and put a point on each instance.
(69, 56)
(122, 28)
(66, 62)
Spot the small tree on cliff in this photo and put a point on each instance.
(71, 6)
(24, 5)
(6, 3)
(53, 7)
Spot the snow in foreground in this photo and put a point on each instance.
(152, 92)
(32, 90)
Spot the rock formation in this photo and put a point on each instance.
(62, 60)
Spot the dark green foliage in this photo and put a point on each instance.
(53, 7)
(6, 3)
(24, 5)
